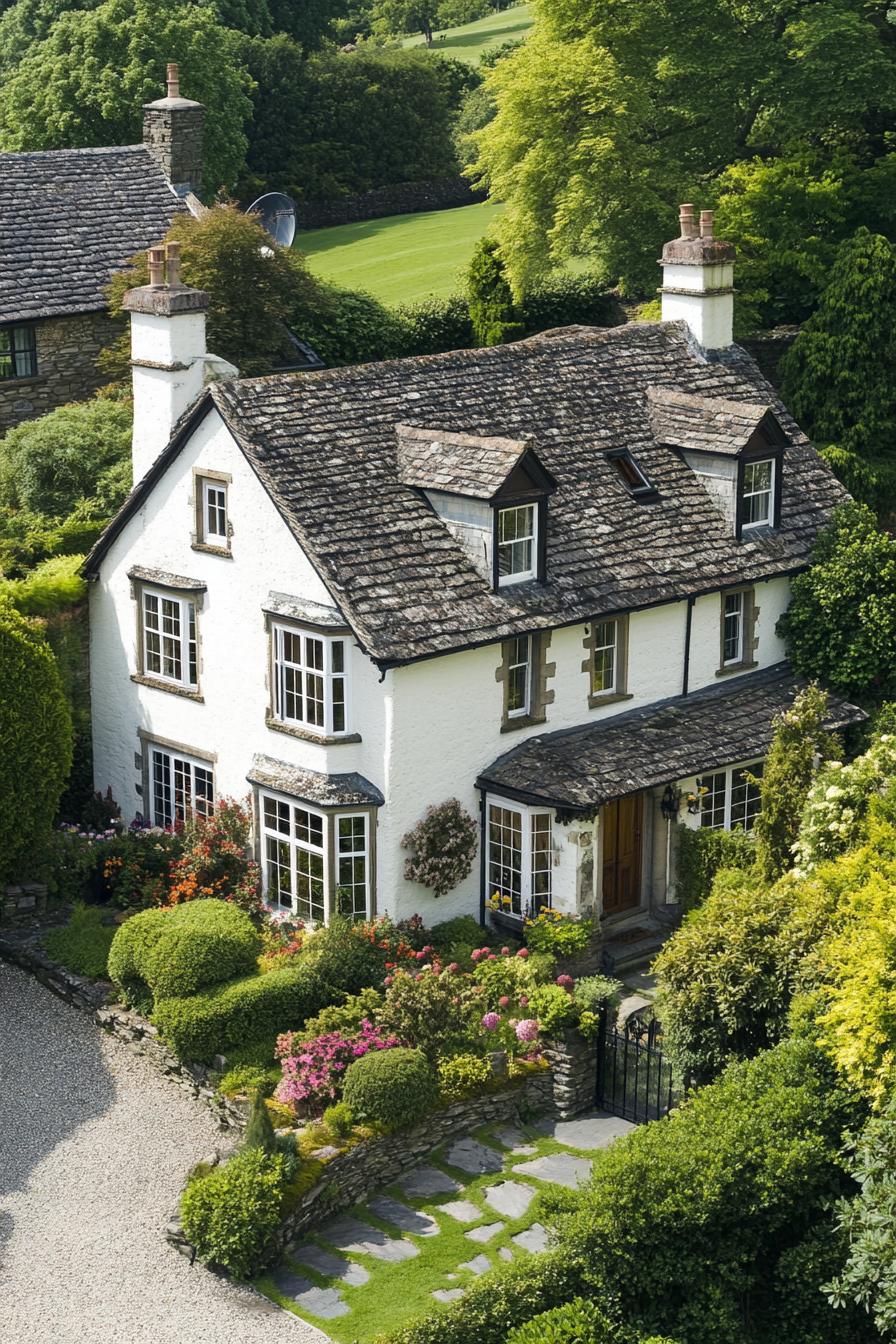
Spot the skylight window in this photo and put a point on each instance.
(631, 475)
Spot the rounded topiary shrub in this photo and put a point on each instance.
(35, 743)
(576, 1322)
(174, 951)
(231, 1213)
(392, 1088)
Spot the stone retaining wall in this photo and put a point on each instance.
(23, 903)
(573, 1062)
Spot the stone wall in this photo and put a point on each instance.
(353, 1175)
(67, 348)
(399, 198)
(23, 903)
(573, 1062)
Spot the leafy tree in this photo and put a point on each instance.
(78, 456)
(610, 114)
(29, 21)
(869, 1221)
(492, 310)
(85, 83)
(799, 742)
(253, 288)
(841, 625)
(310, 22)
(35, 743)
(406, 16)
(838, 376)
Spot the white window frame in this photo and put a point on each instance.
(327, 852)
(327, 673)
(517, 576)
(729, 822)
(212, 506)
(602, 648)
(769, 518)
(187, 636)
(514, 663)
(353, 854)
(183, 763)
(528, 817)
(739, 597)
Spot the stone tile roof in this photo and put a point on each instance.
(461, 464)
(68, 219)
(707, 424)
(580, 769)
(324, 445)
(310, 786)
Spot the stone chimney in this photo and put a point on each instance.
(172, 132)
(698, 281)
(168, 355)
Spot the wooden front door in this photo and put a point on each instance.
(622, 853)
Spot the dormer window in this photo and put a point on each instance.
(757, 500)
(517, 544)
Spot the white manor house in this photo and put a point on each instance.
(541, 578)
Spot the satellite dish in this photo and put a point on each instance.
(277, 215)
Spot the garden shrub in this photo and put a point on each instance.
(493, 313)
(51, 464)
(215, 859)
(231, 1214)
(51, 587)
(35, 743)
(462, 1075)
(867, 1274)
(260, 1130)
(702, 852)
(250, 1079)
(438, 1012)
(557, 934)
(835, 811)
(345, 1017)
(436, 324)
(576, 1322)
(314, 1071)
(393, 1088)
(554, 1007)
(444, 845)
(462, 931)
(176, 951)
(799, 742)
(567, 301)
(82, 945)
(353, 328)
(137, 866)
(239, 1013)
(339, 1119)
(593, 994)
(345, 957)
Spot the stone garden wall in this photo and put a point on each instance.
(398, 198)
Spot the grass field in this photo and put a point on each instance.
(402, 258)
(468, 43)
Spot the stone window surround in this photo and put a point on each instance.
(187, 590)
(200, 476)
(298, 730)
(596, 699)
(541, 672)
(330, 812)
(142, 758)
(750, 639)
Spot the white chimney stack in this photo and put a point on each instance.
(698, 281)
(168, 355)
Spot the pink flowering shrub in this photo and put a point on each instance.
(443, 847)
(313, 1070)
(491, 1021)
(527, 1030)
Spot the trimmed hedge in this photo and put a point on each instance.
(391, 1087)
(170, 952)
(240, 1013)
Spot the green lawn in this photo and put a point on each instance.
(402, 258)
(468, 43)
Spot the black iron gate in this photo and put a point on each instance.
(634, 1077)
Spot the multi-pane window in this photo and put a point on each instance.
(730, 800)
(517, 559)
(733, 628)
(181, 787)
(604, 658)
(519, 677)
(169, 638)
(214, 513)
(295, 842)
(757, 496)
(519, 857)
(310, 681)
(18, 352)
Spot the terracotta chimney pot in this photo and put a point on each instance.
(156, 257)
(173, 256)
(706, 223)
(687, 221)
(173, 80)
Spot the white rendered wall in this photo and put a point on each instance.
(687, 296)
(161, 395)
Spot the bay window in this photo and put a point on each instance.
(315, 863)
(519, 857)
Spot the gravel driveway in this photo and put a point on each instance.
(94, 1146)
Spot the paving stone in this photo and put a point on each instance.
(333, 1266)
(480, 1264)
(399, 1215)
(514, 1139)
(506, 1253)
(472, 1156)
(511, 1198)
(589, 1131)
(422, 1181)
(533, 1239)
(461, 1210)
(484, 1233)
(350, 1234)
(561, 1168)
(448, 1294)
(328, 1303)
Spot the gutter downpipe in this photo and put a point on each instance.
(688, 621)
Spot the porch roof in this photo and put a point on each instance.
(577, 770)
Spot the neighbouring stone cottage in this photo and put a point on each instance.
(543, 578)
(69, 218)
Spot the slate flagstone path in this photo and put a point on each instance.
(469, 1206)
